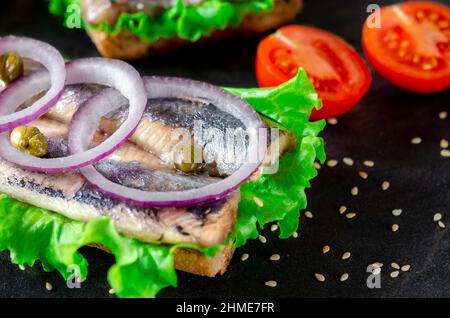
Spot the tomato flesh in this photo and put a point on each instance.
(412, 47)
(338, 73)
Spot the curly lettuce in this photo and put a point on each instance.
(188, 22)
(141, 269)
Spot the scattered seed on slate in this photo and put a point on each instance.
(395, 274)
(309, 214)
(320, 277)
(342, 209)
(348, 161)
(275, 257)
(274, 227)
(377, 264)
(271, 283)
(48, 286)
(416, 141)
(397, 212)
(395, 266)
(346, 255)
(344, 277)
(406, 268)
(395, 227)
(443, 115)
(363, 175)
(258, 202)
(350, 215)
(444, 144)
(325, 249)
(354, 191)
(437, 217)
(262, 239)
(332, 121)
(111, 291)
(295, 235)
(441, 225)
(385, 185)
(244, 257)
(332, 163)
(376, 271)
(317, 165)
(369, 163)
(445, 153)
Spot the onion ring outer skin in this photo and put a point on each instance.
(175, 87)
(52, 60)
(112, 73)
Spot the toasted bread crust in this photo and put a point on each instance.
(128, 46)
(195, 262)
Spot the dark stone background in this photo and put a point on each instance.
(380, 129)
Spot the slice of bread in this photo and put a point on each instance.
(128, 46)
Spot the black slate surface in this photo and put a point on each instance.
(380, 129)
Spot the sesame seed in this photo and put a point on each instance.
(437, 217)
(244, 257)
(258, 202)
(48, 286)
(445, 153)
(317, 165)
(376, 271)
(395, 266)
(348, 161)
(444, 144)
(397, 212)
(332, 163)
(395, 227)
(406, 268)
(326, 249)
(275, 257)
(441, 225)
(395, 274)
(344, 277)
(309, 214)
(342, 209)
(111, 291)
(274, 227)
(271, 283)
(295, 235)
(369, 163)
(416, 141)
(363, 175)
(262, 239)
(346, 255)
(320, 277)
(377, 264)
(385, 185)
(332, 121)
(443, 115)
(354, 191)
(350, 215)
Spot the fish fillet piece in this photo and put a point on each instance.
(71, 195)
(165, 123)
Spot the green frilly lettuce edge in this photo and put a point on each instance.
(188, 22)
(142, 269)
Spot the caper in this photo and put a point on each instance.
(11, 67)
(185, 156)
(29, 140)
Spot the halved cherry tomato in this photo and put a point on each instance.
(412, 47)
(338, 73)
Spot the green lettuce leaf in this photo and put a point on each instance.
(188, 22)
(142, 269)
(283, 194)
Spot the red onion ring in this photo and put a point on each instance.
(52, 61)
(175, 87)
(112, 73)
